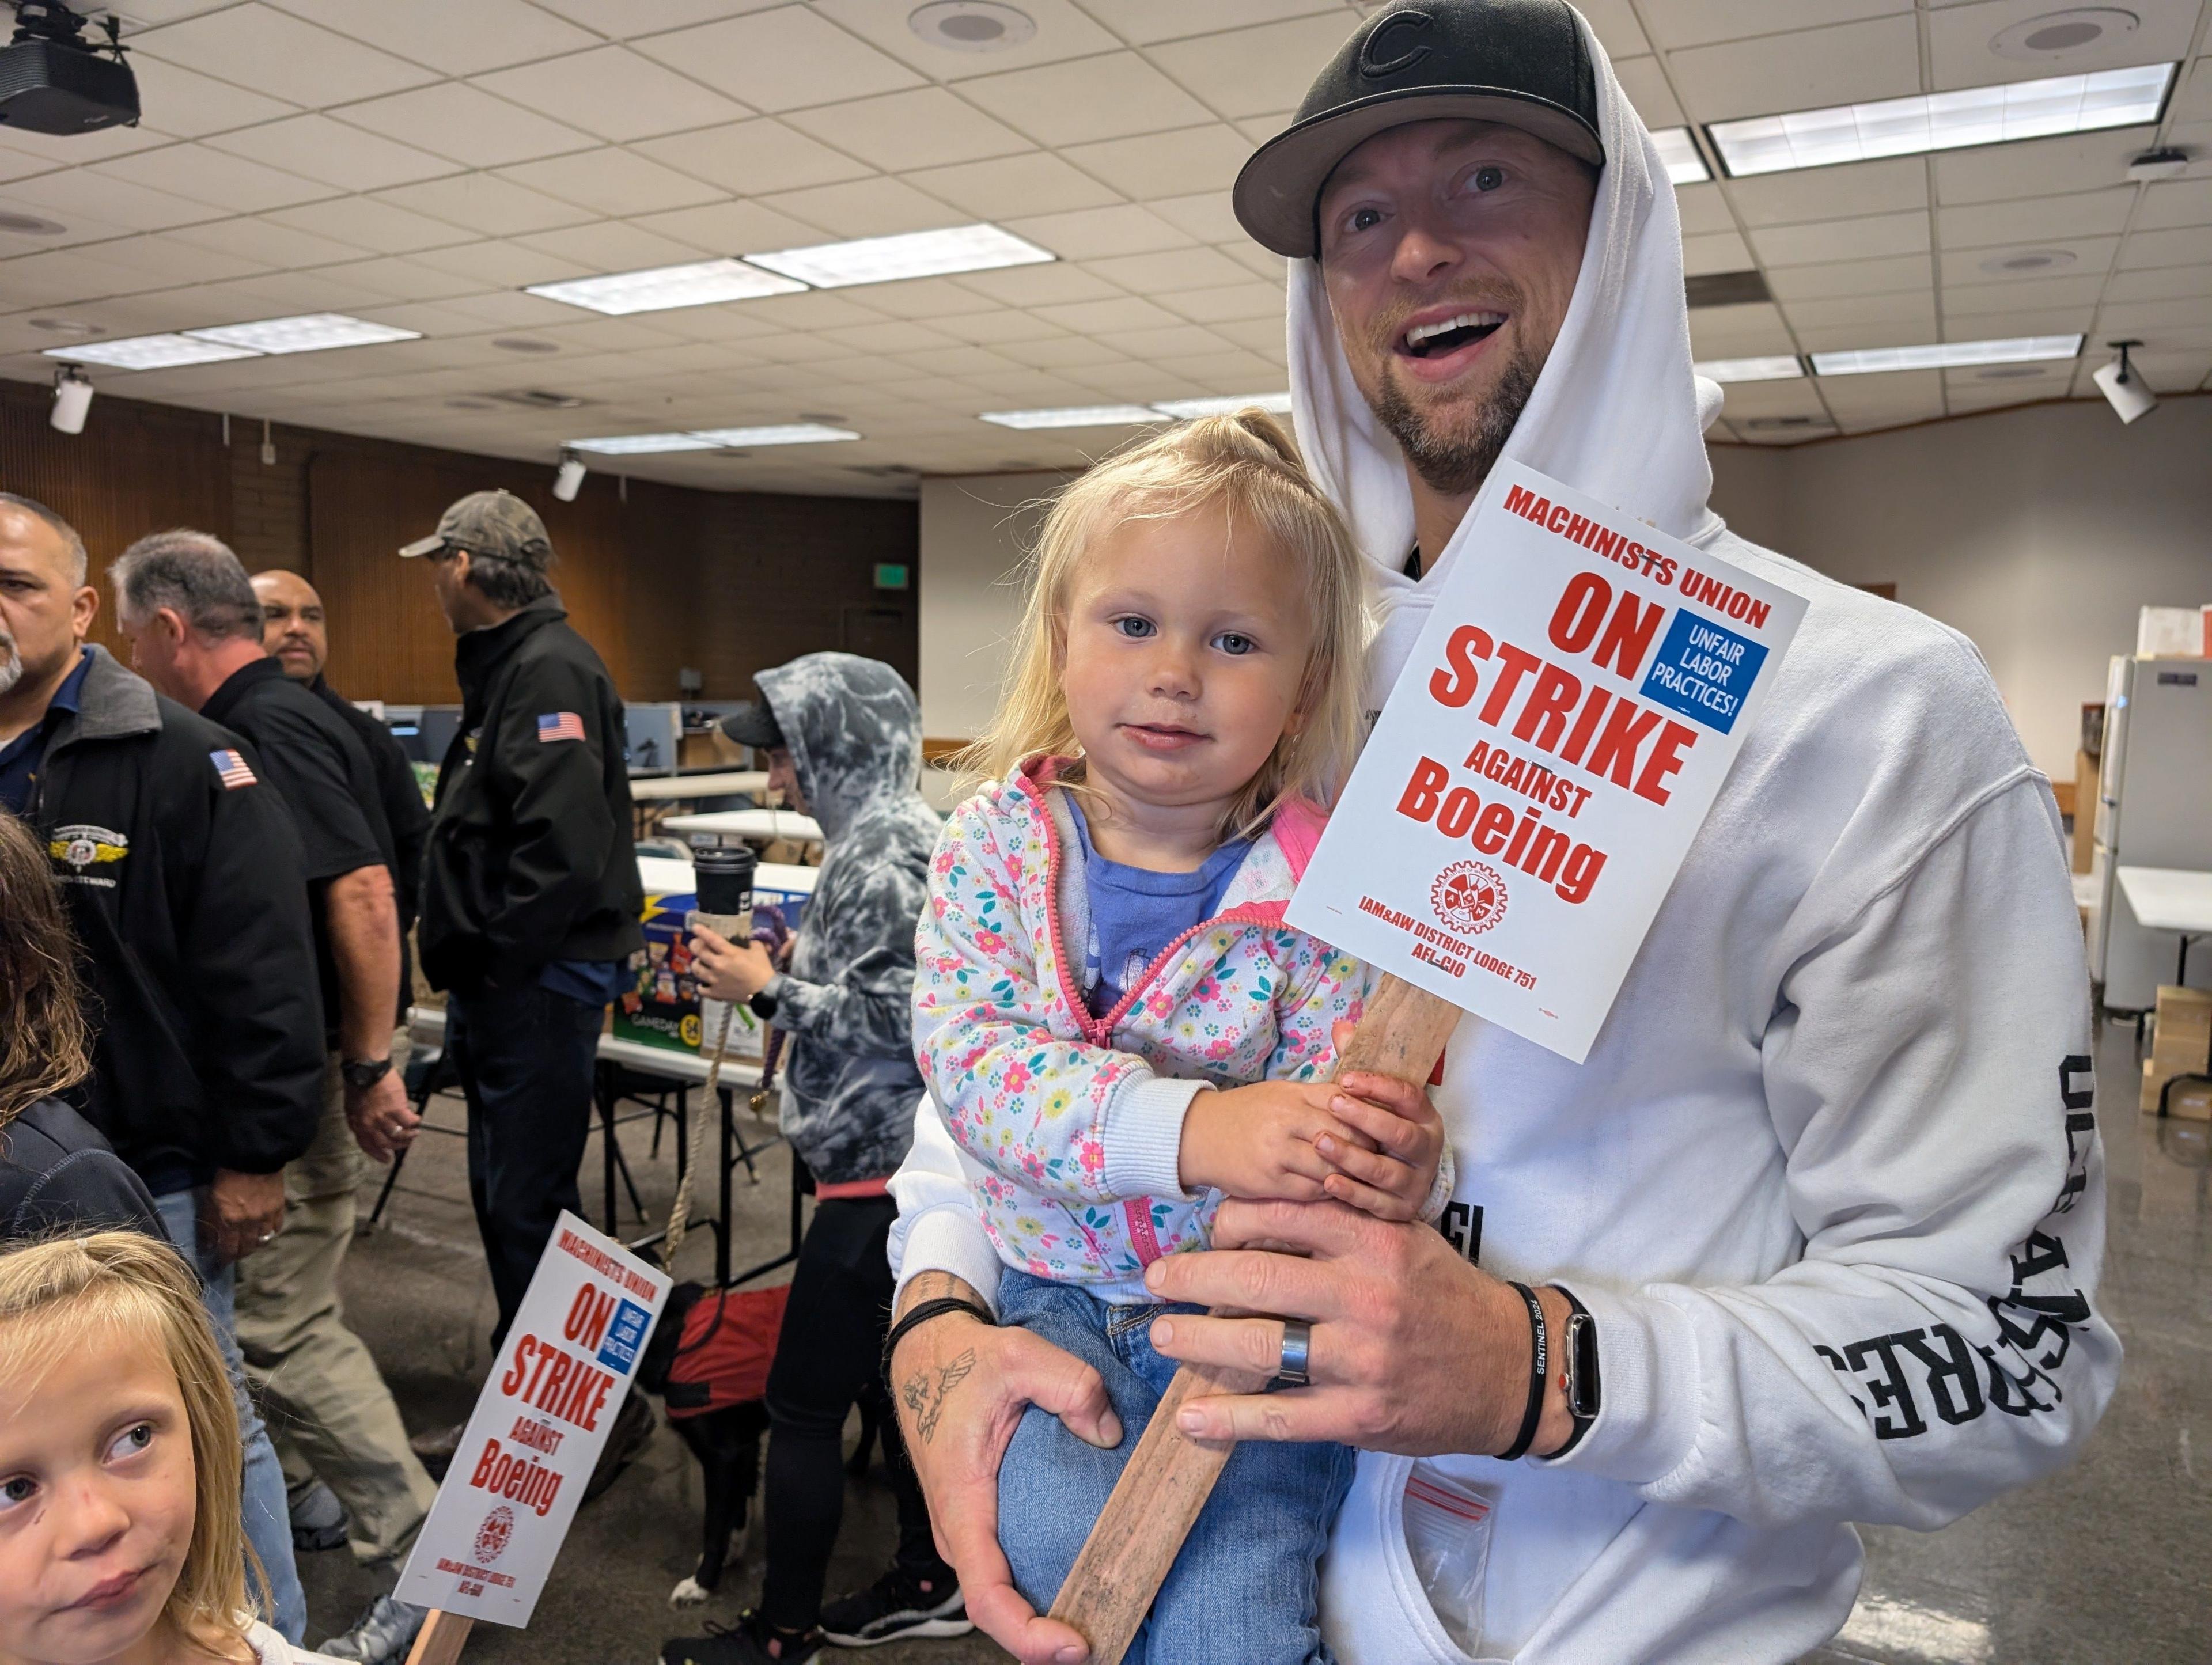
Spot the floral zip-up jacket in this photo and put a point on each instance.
(1072, 1125)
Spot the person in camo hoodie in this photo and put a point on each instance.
(843, 739)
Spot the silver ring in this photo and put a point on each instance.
(1297, 1355)
(269, 1237)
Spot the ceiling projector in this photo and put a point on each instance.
(53, 81)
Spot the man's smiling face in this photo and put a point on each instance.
(1449, 252)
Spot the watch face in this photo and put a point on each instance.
(1583, 1396)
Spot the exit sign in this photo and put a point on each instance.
(890, 574)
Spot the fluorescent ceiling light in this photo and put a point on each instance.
(916, 255)
(1773, 368)
(703, 284)
(1943, 121)
(797, 432)
(149, 352)
(630, 444)
(310, 333)
(1947, 356)
(1680, 152)
(1275, 403)
(1076, 416)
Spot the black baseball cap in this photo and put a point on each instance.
(753, 724)
(1520, 61)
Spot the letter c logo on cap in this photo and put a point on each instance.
(1372, 62)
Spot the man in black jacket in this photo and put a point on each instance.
(183, 876)
(531, 897)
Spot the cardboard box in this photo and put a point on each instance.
(2171, 633)
(662, 1007)
(2085, 767)
(2180, 1045)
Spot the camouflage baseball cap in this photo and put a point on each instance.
(495, 523)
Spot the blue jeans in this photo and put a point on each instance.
(268, 1521)
(1246, 1586)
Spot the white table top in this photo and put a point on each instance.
(428, 1024)
(665, 875)
(747, 824)
(731, 783)
(2169, 898)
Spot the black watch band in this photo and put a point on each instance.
(1585, 1395)
(363, 1073)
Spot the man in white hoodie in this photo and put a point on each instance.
(1827, 1196)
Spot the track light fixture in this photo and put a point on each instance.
(568, 478)
(2119, 381)
(72, 399)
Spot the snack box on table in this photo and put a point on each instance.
(661, 1005)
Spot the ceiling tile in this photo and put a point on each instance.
(623, 20)
(1209, 216)
(1057, 284)
(459, 39)
(1794, 396)
(866, 208)
(1062, 31)
(2083, 214)
(996, 329)
(1172, 164)
(1142, 22)
(614, 92)
(923, 127)
(2090, 255)
(466, 123)
(1899, 395)
(753, 157)
(2036, 167)
(2019, 295)
(1094, 233)
(197, 173)
(1867, 237)
(611, 246)
(1958, 37)
(1832, 193)
(1245, 299)
(1617, 28)
(272, 245)
(1739, 331)
(1718, 251)
(1036, 183)
(2156, 283)
(1876, 58)
(402, 280)
(1062, 353)
(82, 193)
(1991, 326)
(2192, 246)
(930, 298)
(175, 262)
(371, 224)
(613, 181)
(1171, 346)
(1099, 97)
(1645, 83)
(731, 228)
(350, 158)
(1170, 270)
(1908, 271)
(1095, 317)
(782, 59)
(2152, 319)
(76, 149)
(190, 106)
(1677, 23)
(486, 203)
(1854, 319)
(256, 45)
(1702, 208)
(1251, 70)
(2175, 202)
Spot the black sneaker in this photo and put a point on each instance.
(319, 1521)
(745, 1643)
(898, 1604)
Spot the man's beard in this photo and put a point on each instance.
(11, 664)
(1456, 463)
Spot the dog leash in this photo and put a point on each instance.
(679, 1211)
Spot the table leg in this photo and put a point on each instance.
(603, 1089)
(725, 1103)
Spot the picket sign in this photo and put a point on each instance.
(540, 1423)
(1559, 731)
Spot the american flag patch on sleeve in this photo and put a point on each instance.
(233, 771)
(560, 726)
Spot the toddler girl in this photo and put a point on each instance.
(119, 1461)
(1117, 1025)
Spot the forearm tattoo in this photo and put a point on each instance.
(926, 1400)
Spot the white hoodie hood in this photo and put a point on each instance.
(1617, 412)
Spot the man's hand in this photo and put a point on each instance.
(727, 971)
(1264, 1140)
(243, 1212)
(1390, 1174)
(384, 1123)
(1414, 1351)
(960, 1387)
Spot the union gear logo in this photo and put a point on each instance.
(88, 847)
(1468, 897)
(492, 1536)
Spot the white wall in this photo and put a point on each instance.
(2039, 533)
(974, 531)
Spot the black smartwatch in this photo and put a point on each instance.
(361, 1074)
(1584, 1393)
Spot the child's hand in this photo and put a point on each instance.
(1388, 1171)
(725, 970)
(1264, 1140)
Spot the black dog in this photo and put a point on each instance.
(725, 1440)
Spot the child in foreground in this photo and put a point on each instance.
(120, 1460)
(1117, 1025)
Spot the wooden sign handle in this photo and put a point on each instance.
(439, 1641)
(1141, 1530)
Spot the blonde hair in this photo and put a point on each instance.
(1249, 465)
(52, 1294)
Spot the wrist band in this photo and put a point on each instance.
(922, 1312)
(1540, 1367)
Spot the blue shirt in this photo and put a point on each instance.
(1135, 912)
(594, 982)
(22, 757)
